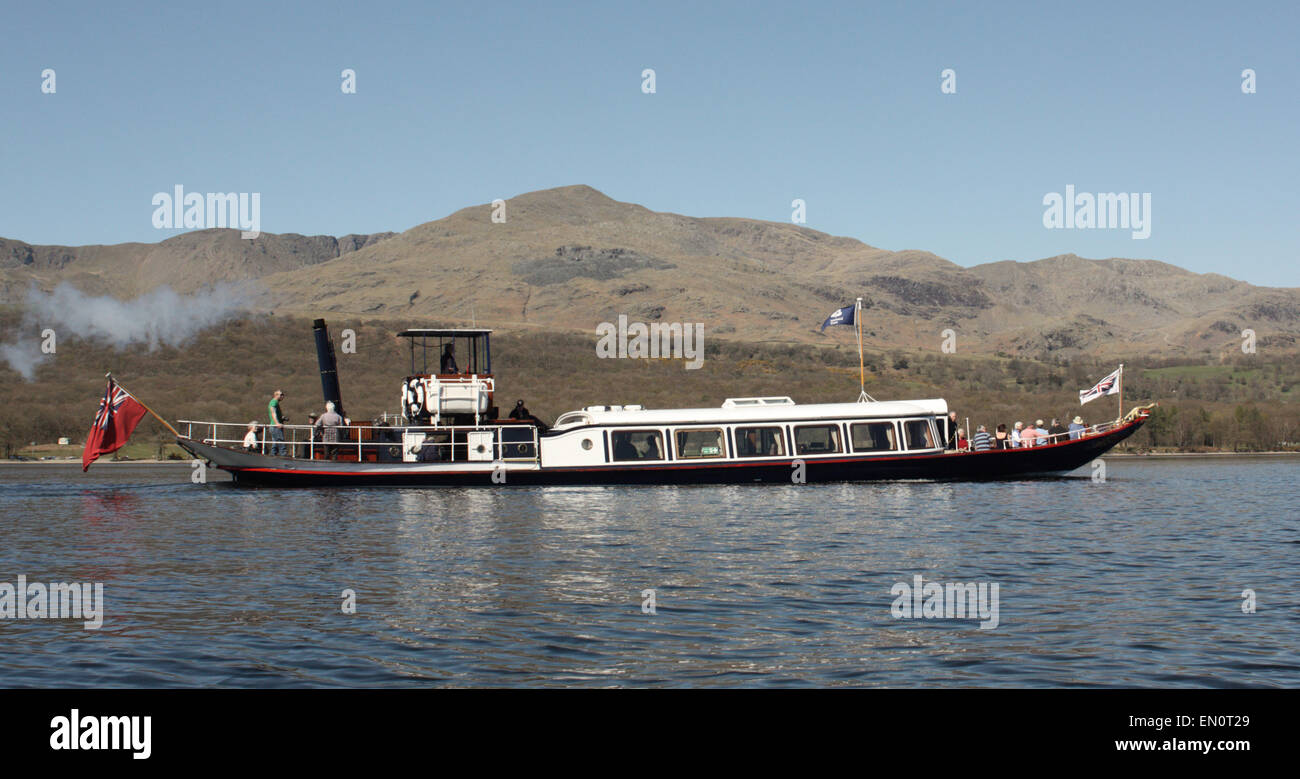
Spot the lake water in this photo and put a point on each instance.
(1134, 581)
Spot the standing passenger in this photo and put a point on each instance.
(448, 362)
(329, 423)
(278, 419)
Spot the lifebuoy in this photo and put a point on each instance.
(413, 398)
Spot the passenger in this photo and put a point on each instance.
(278, 419)
(982, 442)
(448, 364)
(1042, 434)
(329, 423)
(432, 449)
(309, 450)
(1001, 440)
(951, 443)
(1028, 436)
(749, 444)
(962, 443)
(1015, 435)
(624, 449)
(1057, 431)
(1076, 428)
(250, 438)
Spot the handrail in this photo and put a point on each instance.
(1054, 438)
(306, 446)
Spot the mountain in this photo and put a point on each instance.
(570, 258)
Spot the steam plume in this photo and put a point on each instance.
(160, 317)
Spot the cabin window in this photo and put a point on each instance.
(760, 442)
(693, 444)
(919, 434)
(637, 445)
(817, 439)
(874, 436)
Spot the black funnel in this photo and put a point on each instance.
(329, 371)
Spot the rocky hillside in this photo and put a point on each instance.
(569, 258)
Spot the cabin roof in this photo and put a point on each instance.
(452, 332)
(797, 412)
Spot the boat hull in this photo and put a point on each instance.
(257, 469)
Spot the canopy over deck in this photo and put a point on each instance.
(472, 347)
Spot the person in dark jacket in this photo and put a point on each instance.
(448, 363)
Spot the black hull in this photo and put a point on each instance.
(255, 469)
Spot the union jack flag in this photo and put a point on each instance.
(1107, 386)
(113, 400)
(116, 419)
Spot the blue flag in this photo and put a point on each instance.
(843, 316)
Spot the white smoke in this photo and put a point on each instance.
(160, 317)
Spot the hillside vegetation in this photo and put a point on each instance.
(228, 372)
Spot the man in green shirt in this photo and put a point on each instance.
(276, 428)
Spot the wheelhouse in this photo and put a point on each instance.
(451, 378)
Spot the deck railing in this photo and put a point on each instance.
(366, 443)
(1054, 438)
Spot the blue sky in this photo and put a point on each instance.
(756, 104)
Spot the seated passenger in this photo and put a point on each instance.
(431, 451)
(982, 442)
(250, 438)
(623, 448)
(1076, 428)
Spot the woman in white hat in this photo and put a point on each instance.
(1076, 428)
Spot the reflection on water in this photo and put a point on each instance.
(1136, 581)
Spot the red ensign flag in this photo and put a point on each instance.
(118, 415)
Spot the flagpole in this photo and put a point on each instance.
(166, 424)
(1120, 418)
(857, 322)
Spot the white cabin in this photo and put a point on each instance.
(742, 429)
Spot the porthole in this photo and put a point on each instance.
(586, 444)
